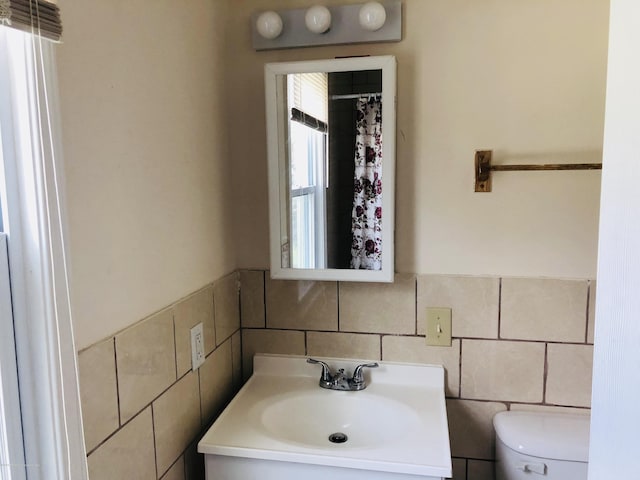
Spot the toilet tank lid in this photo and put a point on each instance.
(558, 436)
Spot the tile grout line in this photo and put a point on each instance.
(510, 403)
(120, 424)
(338, 303)
(409, 335)
(181, 456)
(175, 342)
(240, 298)
(233, 355)
(115, 359)
(545, 372)
(148, 317)
(460, 369)
(200, 394)
(113, 434)
(213, 314)
(264, 299)
(155, 447)
(415, 307)
(586, 330)
(499, 307)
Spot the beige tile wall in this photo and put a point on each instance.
(301, 304)
(99, 393)
(144, 408)
(519, 343)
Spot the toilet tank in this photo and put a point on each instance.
(548, 446)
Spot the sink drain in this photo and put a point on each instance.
(338, 437)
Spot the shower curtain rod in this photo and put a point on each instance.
(355, 95)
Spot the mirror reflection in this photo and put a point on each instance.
(335, 169)
(332, 168)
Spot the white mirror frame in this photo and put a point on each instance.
(273, 99)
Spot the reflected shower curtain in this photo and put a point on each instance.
(366, 218)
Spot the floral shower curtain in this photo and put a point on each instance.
(366, 218)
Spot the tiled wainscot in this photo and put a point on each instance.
(144, 408)
(518, 344)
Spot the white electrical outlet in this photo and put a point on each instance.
(197, 346)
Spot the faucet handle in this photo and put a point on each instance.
(358, 378)
(325, 376)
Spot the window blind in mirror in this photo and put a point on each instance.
(309, 92)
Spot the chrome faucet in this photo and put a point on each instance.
(340, 381)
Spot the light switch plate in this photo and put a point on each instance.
(197, 346)
(439, 327)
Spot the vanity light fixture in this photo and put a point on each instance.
(318, 19)
(366, 22)
(372, 16)
(269, 25)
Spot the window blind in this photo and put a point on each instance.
(40, 17)
(309, 92)
(308, 120)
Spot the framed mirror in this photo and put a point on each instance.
(331, 152)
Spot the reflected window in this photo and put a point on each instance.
(307, 107)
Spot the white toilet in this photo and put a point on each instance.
(548, 446)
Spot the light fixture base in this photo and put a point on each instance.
(345, 28)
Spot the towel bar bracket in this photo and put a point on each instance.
(483, 168)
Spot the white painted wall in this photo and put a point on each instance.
(142, 87)
(165, 149)
(526, 79)
(615, 415)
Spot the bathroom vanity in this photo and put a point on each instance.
(282, 425)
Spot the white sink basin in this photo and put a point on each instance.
(309, 418)
(398, 424)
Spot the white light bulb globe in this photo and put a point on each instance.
(372, 16)
(269, 25)
(318, 19)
